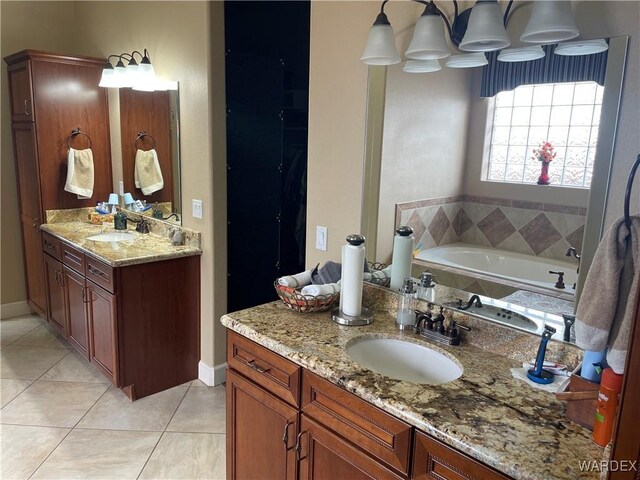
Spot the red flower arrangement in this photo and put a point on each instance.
(544, 153)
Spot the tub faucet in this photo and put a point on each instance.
(570, 252)
(474, 300)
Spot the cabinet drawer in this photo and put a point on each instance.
(269, 370)
(374, 431)
(100, 274)
(51, 246)
(73, 258)
(433, 459)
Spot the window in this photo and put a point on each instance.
(565, 114)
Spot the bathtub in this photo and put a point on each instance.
(516, 267)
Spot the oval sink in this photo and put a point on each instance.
(404, 360)
(113, 237)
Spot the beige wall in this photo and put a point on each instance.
(39, 26)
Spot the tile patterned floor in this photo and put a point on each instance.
(61, 419)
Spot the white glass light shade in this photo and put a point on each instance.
(581, 47)
(428, 41)
(146, 80)
(485, 32)
(107, 78)
(521, 54)
(120, 77)
(421, 66)
(551, 21)
(381, 47)
(467, 60)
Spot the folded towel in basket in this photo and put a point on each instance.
(326, 289)
(80, 172)
(605, 311)
(147, 174)
(298, 280)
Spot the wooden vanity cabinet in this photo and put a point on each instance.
(56, 303)
(76, 310)
(49, 95)
(325, 432)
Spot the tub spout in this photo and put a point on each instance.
(474, 300)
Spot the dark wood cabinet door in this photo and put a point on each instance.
(34, 265)
(435, 460)
(26, 154)
(78, 334)
(261, 433)
(326, 456)
(55, 294)
(20, 92)
(102, 330)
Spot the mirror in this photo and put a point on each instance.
(150, 122)
(431, 158)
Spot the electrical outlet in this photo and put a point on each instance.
(196, 208)
(321, 238)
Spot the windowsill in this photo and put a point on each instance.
(494, 182)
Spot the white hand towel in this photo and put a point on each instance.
(606, 309)
(326, 289)
(378, 274)
(297, 280)
(80, 173)
(147, 174)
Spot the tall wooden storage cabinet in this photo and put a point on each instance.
(50, 95)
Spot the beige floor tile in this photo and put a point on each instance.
(43, 337)
(74, 368)
(99, 454)
(14, 328)
(52, 404)
(23, 448)
(198, 383)
(115, 411)
(10, 388)
(28, 363)
(187, 456)
(202, 410)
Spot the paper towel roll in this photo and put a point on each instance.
(353, 254)
(402, 256)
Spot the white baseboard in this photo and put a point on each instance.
(15, 309)
(212, 375)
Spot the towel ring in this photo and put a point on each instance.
(143, 134)
(74, 133)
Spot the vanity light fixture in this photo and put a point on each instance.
(139, 76)
(521, 54)
(467, 60)
(477, 29)
(421, 66)
(581, 47)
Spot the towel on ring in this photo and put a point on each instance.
(606, 308)
(298, 280)
(326, 289)
(147, 174)
(80, 173)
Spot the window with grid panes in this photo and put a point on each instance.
(565, 114)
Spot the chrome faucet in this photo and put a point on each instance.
(474, 300)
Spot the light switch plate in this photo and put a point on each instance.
(196, 208)
(321, 238)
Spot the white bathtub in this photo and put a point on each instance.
(516, 267)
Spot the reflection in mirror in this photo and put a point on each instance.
(149, 127)
(478, 228)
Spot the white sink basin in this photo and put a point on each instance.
(113, 237)
(404, 360)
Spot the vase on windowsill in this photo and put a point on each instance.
(543, 179)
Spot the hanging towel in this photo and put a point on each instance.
(80, 173)
(606, 309)
(147, 173)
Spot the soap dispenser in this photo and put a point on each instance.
(426, 287)
(406, 317)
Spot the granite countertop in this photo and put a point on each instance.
(149, 247)
(486, 413)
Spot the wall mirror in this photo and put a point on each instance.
(150, 122)
(433, 141)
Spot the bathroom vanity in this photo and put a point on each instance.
(299, 407)
(132, 308)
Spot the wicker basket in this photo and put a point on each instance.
(377, 266)
(297, 302)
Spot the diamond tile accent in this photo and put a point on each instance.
(496, 227)
(462, 222)
(540, 234)
(575, 238)
(439, 226)
(416, 223)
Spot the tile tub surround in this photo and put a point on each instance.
(486, 413)
(532, 228)
(150, 247)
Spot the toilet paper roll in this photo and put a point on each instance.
(402, 257)
(353, 254)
